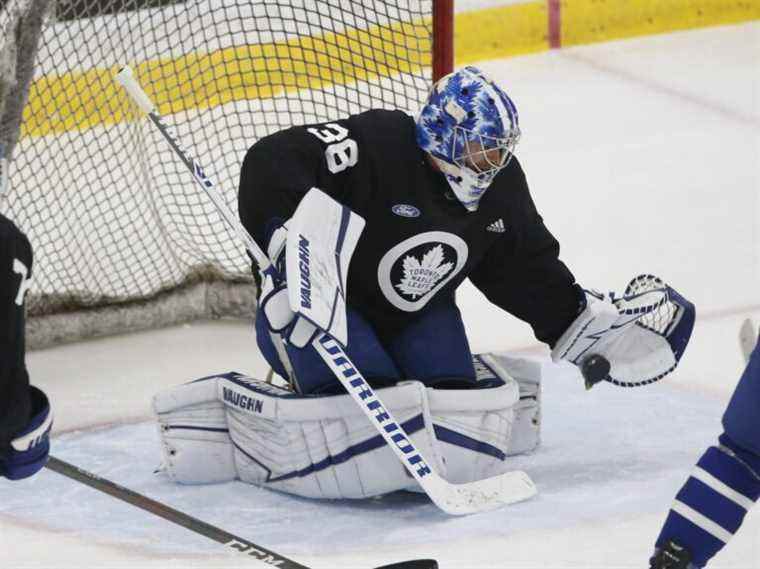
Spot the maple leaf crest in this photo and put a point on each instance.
(421, 276)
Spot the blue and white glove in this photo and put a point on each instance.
(28, 451)
(642, 333)
(274, 304)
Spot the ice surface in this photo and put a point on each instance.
(643, 156)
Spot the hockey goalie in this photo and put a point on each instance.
(371, 223)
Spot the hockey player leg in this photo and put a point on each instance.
(308, 372)
(25, 415)
(741, 420)
(434, 349)
(710, 507)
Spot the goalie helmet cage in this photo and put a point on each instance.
(122, 238)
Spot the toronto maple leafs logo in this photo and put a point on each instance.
(421, 275)
(414, 270)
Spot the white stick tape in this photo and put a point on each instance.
(127, 80)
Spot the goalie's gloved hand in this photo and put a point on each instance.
(602, 320)
(273, 302)
(28, 451)
(642, 333)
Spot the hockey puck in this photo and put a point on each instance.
(595, 369)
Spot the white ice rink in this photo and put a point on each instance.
(643, 156)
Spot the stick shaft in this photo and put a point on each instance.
(126, 78)
(210, 188)
(231, 541)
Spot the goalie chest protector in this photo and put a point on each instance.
(419, 243)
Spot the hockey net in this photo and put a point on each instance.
(122, 238)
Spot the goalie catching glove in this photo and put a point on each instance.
(642, 334)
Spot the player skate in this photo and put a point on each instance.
(672, 556)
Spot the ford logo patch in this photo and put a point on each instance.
(405, 210)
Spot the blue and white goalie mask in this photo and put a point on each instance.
(470, 128)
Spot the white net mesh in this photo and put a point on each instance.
(113, 217)
(661, 318)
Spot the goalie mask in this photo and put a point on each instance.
(469, 127)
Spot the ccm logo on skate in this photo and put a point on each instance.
(370, 401)
(303, 267)
(242, 401)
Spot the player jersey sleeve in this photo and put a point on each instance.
(524, 275)
(15, 271)
(279, 169)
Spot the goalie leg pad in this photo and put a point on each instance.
(324, 447)
(526, 430)
(473, 428)
(230, 426)
(196, 446)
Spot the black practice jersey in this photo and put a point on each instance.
(15, 271)
(419, 242)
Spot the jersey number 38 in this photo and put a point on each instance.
(341, 152)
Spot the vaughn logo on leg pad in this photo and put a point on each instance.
(303, 267)
(242, 401)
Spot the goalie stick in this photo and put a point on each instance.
(455, 499)
(230, 541)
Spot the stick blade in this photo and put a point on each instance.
(413, 564)
(482, 495)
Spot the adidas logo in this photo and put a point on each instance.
(497, 226)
